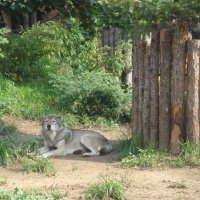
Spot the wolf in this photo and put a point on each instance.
(60, 140)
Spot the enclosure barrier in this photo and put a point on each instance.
(166, 94)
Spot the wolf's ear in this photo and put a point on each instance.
(61, 118)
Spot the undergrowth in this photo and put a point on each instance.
(132, 154)
(12, 151)
(107, 187)
(19, 194)
(37, 164)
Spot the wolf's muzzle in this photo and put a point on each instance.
(48, 126)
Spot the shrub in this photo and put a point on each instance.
(107, 187)
(94, 94)
(8, 149)
(3, 39)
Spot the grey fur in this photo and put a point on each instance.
(60, 140)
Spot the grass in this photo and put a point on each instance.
(128, 145)
(30, 195)
(37, 164)
(106, 187)
(12, 151)
(146, 158)
(133, 155)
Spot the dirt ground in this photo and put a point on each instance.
(75, 173)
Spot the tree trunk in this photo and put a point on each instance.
(135, 89)
(117, 37)
(111, 41)
(177, 85)
(105, 37)
(33, 18)
(165, 90)
(146, 102)
(193, 91)
(154, 94)
(7, 19)
(26, 22)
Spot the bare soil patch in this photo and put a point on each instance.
(75, 173)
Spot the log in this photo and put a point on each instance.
(165, 90)
(154, 92)
(146, 102)
(135, 89)
(141, 53)
(177, 85)
(193, 91)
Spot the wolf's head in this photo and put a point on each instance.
(52, 123)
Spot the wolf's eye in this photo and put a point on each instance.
(45, 121)
(54, 121)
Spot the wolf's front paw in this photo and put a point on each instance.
(91, 154)
(46, 155)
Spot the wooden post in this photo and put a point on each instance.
(135, 89)
(146, 102)
(141, 53)
(154, 92)
(165, 90)
(193, 91)
(177, 84)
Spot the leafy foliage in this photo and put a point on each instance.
(163, 12)
(94, 16)
(103, 97)
(3, 39)
(64, 64)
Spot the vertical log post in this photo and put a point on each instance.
(193, 91)
(154, 93)
(165, 90)
(146, 102)
(141, 53)
(177, 84)
(135, 89)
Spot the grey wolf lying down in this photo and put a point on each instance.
(60, 140)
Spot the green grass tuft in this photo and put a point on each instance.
(106, 187)
(150, 157)
(37, 164)
(128, 145)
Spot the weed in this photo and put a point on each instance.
(37, 164)
(177, 185)
(107, 187)
(8, 150)
(31, 145)
(27, 195)
(191, 153)
(3, 182)
(145, 158)
(128, 145)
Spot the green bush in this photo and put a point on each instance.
(3, 40)
(94, 94)
(74, 76)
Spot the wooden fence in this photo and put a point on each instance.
(166, 93)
